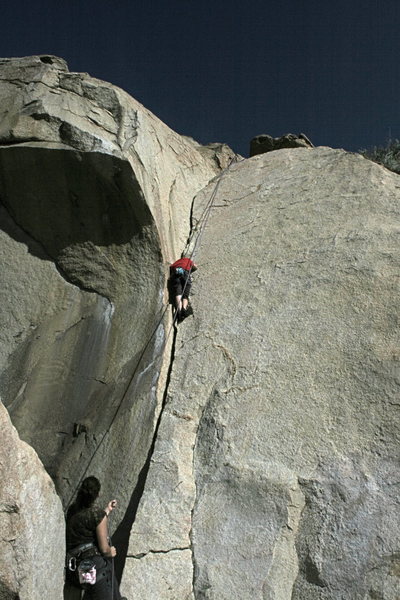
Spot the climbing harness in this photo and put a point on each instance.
(199, 230)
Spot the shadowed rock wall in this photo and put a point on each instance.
(275, 465)
(91, 237)
(95, 200)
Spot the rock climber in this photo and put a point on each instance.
(89, 553)
(181, 283)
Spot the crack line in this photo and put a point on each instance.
(144, 554)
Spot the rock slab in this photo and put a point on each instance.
(266, 143)
(276, 461)
(31, 522)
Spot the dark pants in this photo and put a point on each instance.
(107, 587)
(181, 284)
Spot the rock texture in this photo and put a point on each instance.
(266, 143)
(271, 473)
(31, 521)
(95, 200)
(42, 102)
(275, 469)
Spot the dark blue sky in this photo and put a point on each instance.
(224, 71)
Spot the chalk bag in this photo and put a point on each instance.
(87, 572)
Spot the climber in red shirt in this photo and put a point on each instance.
(181, 283)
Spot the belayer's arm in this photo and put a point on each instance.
(102, 539)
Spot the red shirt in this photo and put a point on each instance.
(184, 263)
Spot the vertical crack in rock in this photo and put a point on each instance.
(122, 533)
(195, 568)
(199, 591)
(192, 227)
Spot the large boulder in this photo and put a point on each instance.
(275, 466)
(31, 522)
(266, 143)
(95, 200)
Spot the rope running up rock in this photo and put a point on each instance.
(200, 227)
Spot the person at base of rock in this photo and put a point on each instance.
(87, 537)
(181, 283)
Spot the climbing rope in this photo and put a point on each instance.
(199, 230)
(118, 407)
(203, 219)
(201, 224)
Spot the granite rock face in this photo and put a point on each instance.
(42, 102)
(31, 521)
(266, 143)
(276, 462)
(95, 200)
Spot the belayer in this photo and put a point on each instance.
(89, 563)
(181, 283)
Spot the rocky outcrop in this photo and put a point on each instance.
(263, 453)
(95, 202)
(274, 469)
(43, 103)
(266, 143)
(95, 198)
(31, 522)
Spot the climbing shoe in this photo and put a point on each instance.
(188, 311)
(182, 315)
(185, 313)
